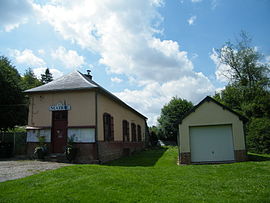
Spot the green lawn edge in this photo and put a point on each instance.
(148, 176)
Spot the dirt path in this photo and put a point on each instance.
(10, 170)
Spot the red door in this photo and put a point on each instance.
(59, 131)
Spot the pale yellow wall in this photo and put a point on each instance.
(119, 113)
(210, 113)
(82, 104)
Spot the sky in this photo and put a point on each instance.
(143, 51)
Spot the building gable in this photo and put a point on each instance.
(214, 104)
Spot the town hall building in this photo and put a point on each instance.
(101, 125)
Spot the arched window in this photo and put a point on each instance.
(133, 132)
(108, 127)
(139, 131)
(125, 126)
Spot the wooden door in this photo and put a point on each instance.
(59, 131)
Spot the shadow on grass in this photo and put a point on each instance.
(148, 157)
(258, 157)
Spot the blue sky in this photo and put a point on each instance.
(143, 51)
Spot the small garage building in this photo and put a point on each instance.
(211, 133)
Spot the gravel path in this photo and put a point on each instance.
(10, 170)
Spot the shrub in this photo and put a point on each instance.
(258, 138)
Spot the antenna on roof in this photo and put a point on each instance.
(89, 74)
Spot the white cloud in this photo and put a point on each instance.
(123, 34)
(222, 70)
(116, 80)
(153, 96)
(13, 13)
(55, 73)
(41, 51)
(191, 20)
(195, 1)
(69, 58)
(27, 57)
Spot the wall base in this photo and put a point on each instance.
(240, 155)
(30, 148)
(87, 152)
(185, 158)
(113, 150)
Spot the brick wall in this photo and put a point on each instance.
(113, 150)
(86, 152)
(185, 158)
(240, 155)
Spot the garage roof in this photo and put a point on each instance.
(210, 99)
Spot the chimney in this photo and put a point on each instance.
(89, 74)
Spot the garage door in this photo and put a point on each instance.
(211, 143)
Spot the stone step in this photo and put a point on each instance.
(56, 158)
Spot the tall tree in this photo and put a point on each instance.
(46, 77)
(246, 69)
(13, 110)
(249, 77)
(248, 90)
(29, 80)
(170, 117)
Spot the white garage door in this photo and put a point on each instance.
(211, 143)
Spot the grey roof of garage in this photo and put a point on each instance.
(208, 99)
(77, 81)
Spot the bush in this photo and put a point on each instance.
(258, 138)
(6, 150)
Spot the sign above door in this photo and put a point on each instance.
(59, 107)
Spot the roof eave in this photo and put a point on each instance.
(58, 90)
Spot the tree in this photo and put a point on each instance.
(153, 132)
(171, 115)
(248, 91)
(249, 78)
(258, 138)
(243, 60)
(231, 96)
(13, 110)
(29, 80)
(46, 77)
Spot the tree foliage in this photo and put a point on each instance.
(258, 137)
(153, 135)
(170, 117)
(29, 80)
(13, 110)
(248, 90)
(246, 69)
(46, 77)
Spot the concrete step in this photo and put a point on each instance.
(56, 158)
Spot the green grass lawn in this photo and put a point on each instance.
(150, 176)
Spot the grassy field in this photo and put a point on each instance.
(150, 176)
